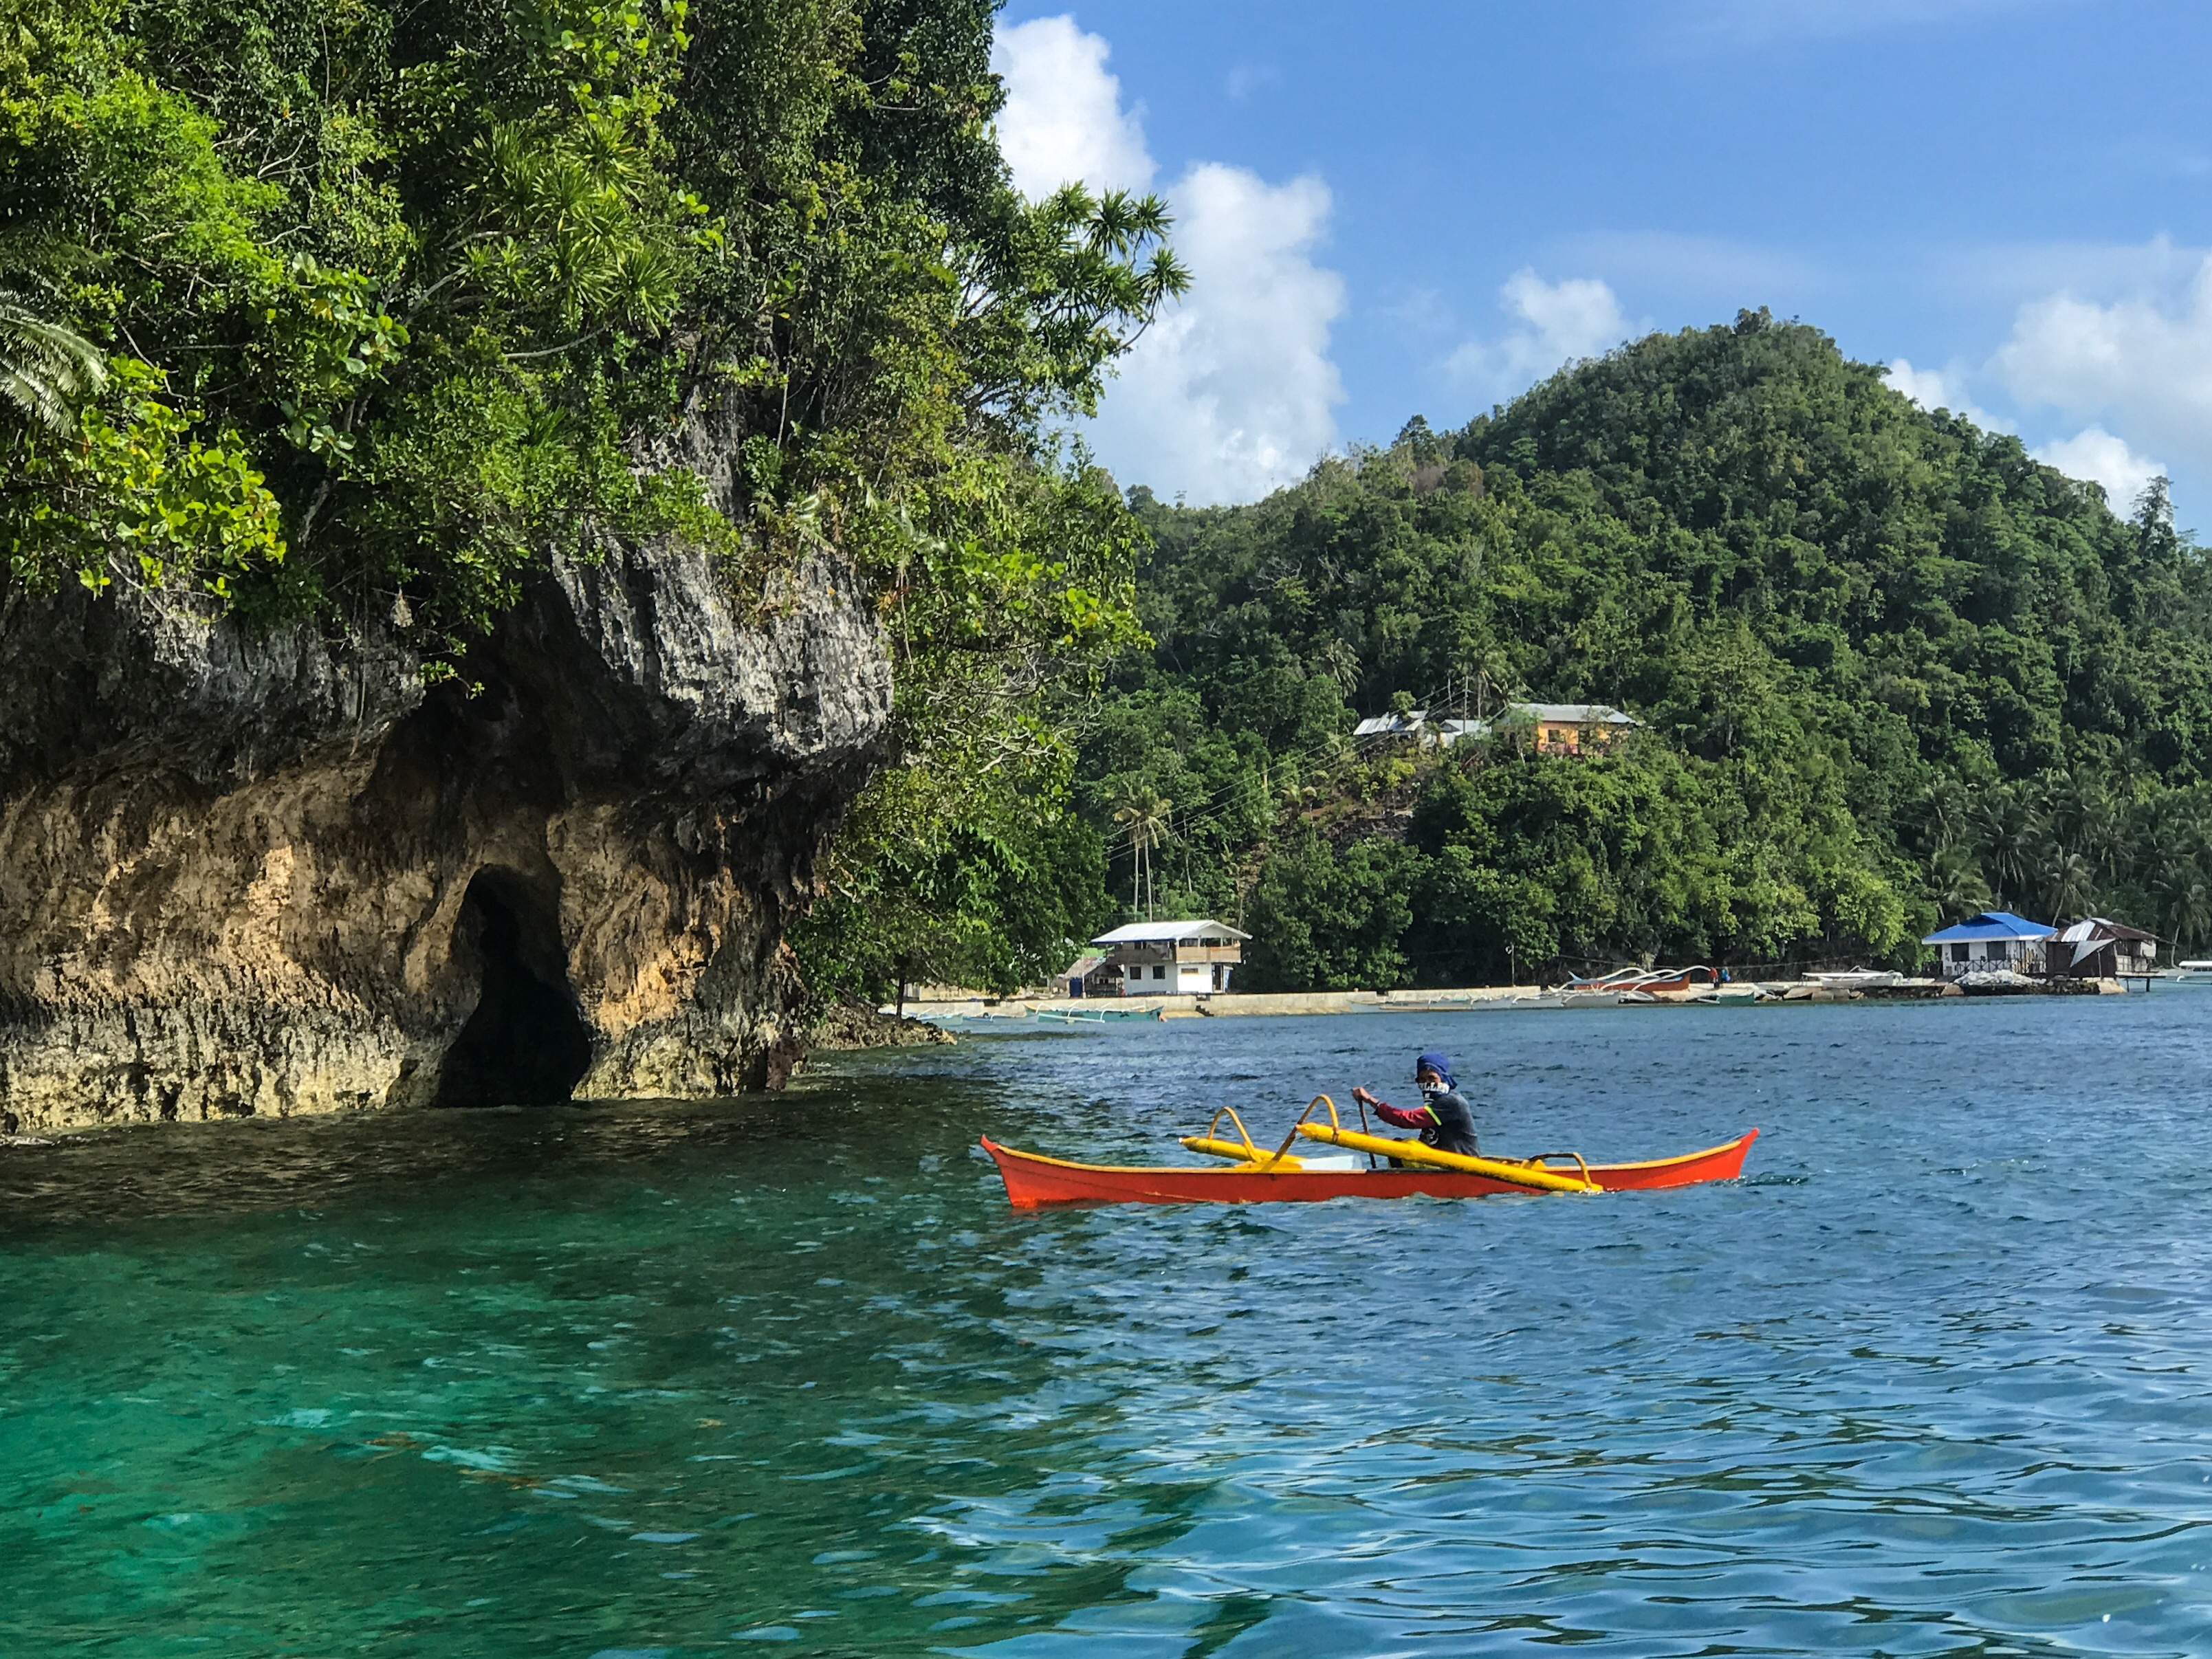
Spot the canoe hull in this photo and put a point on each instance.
(1033, 1182)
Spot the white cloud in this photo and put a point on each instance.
(1559, 323)
(2141, 365)
(2096, 453)
(1063, 120)
(1230, 393)
(1940, 388)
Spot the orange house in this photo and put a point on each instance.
(1566, 728)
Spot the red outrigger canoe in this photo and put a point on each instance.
(1034, 1181)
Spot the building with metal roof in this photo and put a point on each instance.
(2097, 947)
(1559, 728)
(1189, 957)
(1993, 941)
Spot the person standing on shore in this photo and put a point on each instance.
(1443, 1119)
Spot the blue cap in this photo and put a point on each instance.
(1433, 1060)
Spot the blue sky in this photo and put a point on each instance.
(1401, 208)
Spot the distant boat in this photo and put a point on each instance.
(1094, 1016)
(965, 1015)
(1855, 979)
(1610, 996)
(2192, 973)
(1731, 994)
(1631, 985)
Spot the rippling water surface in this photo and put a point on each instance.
(663, 1381)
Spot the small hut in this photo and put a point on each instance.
(2097, 947)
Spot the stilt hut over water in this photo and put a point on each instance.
(2099, 948)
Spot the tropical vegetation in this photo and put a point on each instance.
(1889, 669)
(360, 311)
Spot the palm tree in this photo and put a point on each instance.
(45, 368)
(2184, 903)
(2072, 881)
(1943, 814)
(1337, 661)
(1958, 886)
(2005, 832)
(1144, 815)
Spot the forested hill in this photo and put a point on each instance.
(1890, 669)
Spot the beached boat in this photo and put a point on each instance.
(1034, 1181)
(1607, 997)
(1633, 985)
(1093, 1016)
(1855, 979)
(1729, 993)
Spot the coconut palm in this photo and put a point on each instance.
(1337, 661)
(2083, 816)
(1958, 887)
(45, 368)
(2184, 903)
(1943, 814)
(2007, 835)
(1143, 816)
(2070, 882)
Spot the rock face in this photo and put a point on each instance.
(246, 874)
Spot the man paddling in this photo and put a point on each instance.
(1444, 1118)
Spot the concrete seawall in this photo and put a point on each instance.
(1232, 1004)
(1235, 1003)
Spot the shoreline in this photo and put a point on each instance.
(1463, 999)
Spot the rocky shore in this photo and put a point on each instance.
(249, 873)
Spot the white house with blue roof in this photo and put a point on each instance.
(1990, 943)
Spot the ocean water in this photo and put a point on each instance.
(787, 1376)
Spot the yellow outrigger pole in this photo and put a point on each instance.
(1245, 1154)
(1531, 1173)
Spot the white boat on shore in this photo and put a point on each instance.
(1855, 979)
(1730, 993)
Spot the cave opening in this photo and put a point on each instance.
(526, 1044)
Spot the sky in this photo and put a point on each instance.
(1415, 207)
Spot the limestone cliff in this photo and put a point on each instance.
(270, 873)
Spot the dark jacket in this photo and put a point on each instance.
(1445, 1122)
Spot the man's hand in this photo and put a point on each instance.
(1364, 1097)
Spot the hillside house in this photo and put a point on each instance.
(1413, 726)
(1556, 728)
(1568, 728)
(1170, 958)
(1993, 942)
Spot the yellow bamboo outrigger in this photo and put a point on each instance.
(1531, 1173)
(1242, 1151)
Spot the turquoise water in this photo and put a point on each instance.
(788, 1372)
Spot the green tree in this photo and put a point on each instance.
(1143, 820)
(1326, 919)
(45, 369)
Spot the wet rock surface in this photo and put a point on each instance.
(247, 873)
(847, 1025)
